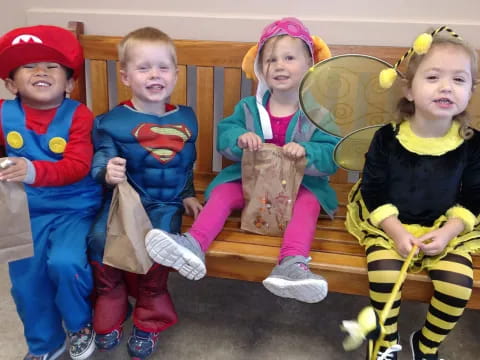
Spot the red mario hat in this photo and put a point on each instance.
(41, 43)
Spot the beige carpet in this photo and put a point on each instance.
(236, 320)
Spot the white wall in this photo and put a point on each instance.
(376, 22)
(12, 14)
(372, 22)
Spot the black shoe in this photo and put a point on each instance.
(416, 353)
(390, 353)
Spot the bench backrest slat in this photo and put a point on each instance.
(123, 92)
(99, 77)
(204, 110)
(179, 95)
(232, 85)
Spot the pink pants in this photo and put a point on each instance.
(227, 197)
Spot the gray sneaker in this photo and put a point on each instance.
(293, 279)
(181, 252)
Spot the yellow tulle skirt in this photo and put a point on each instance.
(368, 235)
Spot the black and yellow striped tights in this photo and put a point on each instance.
(452, 279)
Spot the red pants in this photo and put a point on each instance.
(154, 310)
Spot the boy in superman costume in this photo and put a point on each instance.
(151, 144)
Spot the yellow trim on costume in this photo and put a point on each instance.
(382, 212)
(434, 146)
(459, 212)
(15, 139)
(57, 145)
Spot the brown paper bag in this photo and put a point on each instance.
(127, 225)
(15, 232)
(270, 184)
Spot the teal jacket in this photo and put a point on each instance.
(318, 145)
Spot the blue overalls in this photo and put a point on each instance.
(55, 283)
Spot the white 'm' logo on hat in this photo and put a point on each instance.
(26, 38)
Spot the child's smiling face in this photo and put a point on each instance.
(284, 62)
(151, 74)
(40, 85)
(442, 84)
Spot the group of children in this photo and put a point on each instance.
(420, 185)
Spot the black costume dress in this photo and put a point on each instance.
(424, 181)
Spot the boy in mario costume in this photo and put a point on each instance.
(47, 138)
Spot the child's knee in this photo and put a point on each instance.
(308, 201)
(68, 264)
(228, 195)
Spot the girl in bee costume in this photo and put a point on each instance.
(421, 187)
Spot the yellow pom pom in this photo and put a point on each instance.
(422, 43)
(365, 327)
(367, 320)
(387, 78)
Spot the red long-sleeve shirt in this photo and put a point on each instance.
(77, 158)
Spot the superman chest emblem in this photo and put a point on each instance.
(162, 141)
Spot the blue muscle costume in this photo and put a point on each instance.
(159, 153)
(57, 281)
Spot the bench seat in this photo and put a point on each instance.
(210, 80)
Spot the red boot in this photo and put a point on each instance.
(111, 305)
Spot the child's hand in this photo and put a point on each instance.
(404, 241)
(435, 241)
(16, 171)
(116, 168)
(294, 150)
(192, 206)
(250, 141)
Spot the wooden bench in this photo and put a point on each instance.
(236, 254)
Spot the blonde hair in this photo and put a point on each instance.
(406, 108)
(143, 35)
(274, 40)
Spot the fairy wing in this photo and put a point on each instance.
(342, 96)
